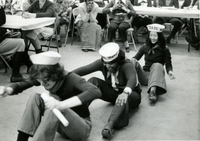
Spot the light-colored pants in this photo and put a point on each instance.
(156, 77)
(42, 124)
(10, 46)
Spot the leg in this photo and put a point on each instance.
(177, 26)
(78, 128)
(157, 81)
(111, 31)
(122, 31)
(142, 76)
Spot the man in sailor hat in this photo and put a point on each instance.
(119, 87)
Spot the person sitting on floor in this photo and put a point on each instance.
(119, 87)
(119, 12)
(176, 22)
(13, 49)
(39, 8)
(156, 55)
(89, 30)
(69, 93)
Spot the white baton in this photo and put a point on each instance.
(59, 115)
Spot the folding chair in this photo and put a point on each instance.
(75, 13)
(5, 63)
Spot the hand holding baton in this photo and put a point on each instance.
(59, 115)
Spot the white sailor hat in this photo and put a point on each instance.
(109, 51)
(155, 27)
(45, 58)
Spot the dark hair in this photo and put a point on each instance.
(161, 41)
(54, 72)
(86, 1)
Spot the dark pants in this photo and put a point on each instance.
(176, 22)
(122, 28)
(120, 114)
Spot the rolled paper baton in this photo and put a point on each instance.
(59, 115)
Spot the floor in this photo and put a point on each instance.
(176, 115)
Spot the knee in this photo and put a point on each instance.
(93, 80)
(157, 66)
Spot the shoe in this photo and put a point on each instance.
(59, 43)
(16, 79)
(127, 49)
(85, 50)
(152, 97)
(106, 133)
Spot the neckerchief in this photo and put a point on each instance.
(152, 50)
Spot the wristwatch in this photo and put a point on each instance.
(126, 92)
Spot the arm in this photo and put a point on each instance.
(2, 16)
(168, 64)
(140, 53)
(108, 8)
(50, 12)
(90, 68)
(17, 87)
(88, 93)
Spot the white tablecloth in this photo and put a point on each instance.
(17, 22)
(167, 12)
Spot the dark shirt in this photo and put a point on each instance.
(125, 77)
(2, 21)
(47, 10)
(159, 56)
(72, 85)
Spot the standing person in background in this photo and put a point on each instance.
(69, 93)
(119, 87)
(39, 8)
(90, 31)
(119, 12)
(176, 22)
(156, 55)
(13, 49)
(140, 22)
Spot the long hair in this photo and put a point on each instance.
(54, 72)
(161, 41)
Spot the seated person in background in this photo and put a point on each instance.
(176, 22)
(13, 48)
(26, 4)
(39, 8)
(120, 12)
(188, 3)
(156, 55)
(69, 93)
(63, 17)
(194, 38)
(140, 22)
(90, 31)
(120, 85)
(17, 7)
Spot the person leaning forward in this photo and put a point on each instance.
(70, 94)
(119, 12)
(120, 86)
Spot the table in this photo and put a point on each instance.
(18, 22)
(170, 12)
(167, 12)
